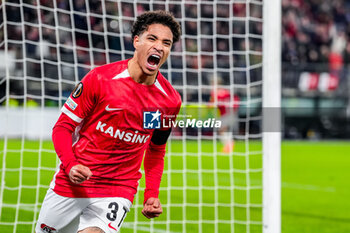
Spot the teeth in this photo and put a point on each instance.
(156, 56)
(152, 65)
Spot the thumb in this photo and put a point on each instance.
(156, 204)
(150, 201)
(86, 172)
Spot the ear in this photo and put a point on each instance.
(136, 41)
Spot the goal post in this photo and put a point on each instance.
(232, 46)
(271, 116)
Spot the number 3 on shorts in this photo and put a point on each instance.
(112, 214)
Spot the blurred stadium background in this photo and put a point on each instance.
(315, 55)
(49, 50)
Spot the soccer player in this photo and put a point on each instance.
(101, 136)
(228, 108)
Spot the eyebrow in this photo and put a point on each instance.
(167, 40)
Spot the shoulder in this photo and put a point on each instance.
(111, 70)
(169, 89)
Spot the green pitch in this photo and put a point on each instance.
(315, 187)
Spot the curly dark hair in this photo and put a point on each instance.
(152, 17)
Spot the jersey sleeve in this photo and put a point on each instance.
(154, 157)
(62, 141)
(83, 98)
(154, 166)
(171, 114)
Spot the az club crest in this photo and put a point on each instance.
(47, 229)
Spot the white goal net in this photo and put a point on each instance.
(213, 181)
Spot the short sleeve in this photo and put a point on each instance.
(82, 99)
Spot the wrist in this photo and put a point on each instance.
(69, 166)
(150, 193)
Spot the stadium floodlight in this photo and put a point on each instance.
(46, 47)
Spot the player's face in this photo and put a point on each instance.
(153, 47)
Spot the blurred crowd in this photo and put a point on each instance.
(91, 33)
(316, 32)
(65, 39)
(315, 36)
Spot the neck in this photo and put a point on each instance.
(137, 73)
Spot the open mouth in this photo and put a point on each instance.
(153, 60)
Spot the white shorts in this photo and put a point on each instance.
(230, 122)
(69, 215)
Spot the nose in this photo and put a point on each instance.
(158, 46)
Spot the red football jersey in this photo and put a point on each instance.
(224, 98)
(108, 106)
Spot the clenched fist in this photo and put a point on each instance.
(152, 208)
(79, 173)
